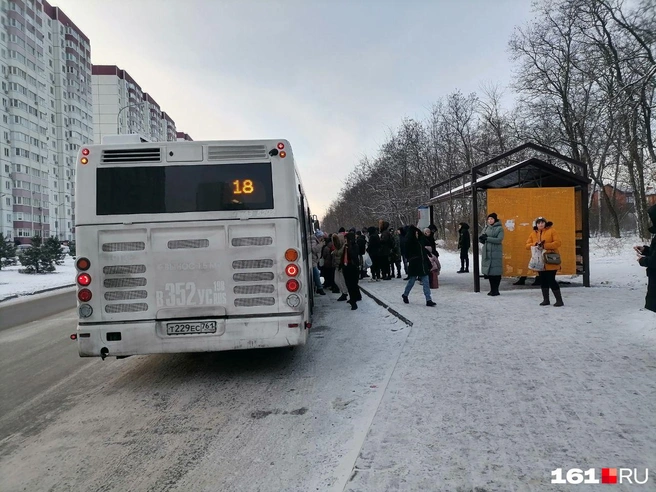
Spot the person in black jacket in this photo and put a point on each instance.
(374, 253)
(464, 243)
(351, 267)
(403, 239)
(418, 264)
(386, 248)
(647, 259)
(361, 241)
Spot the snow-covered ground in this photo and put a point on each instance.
(13, 283)
(494, 393)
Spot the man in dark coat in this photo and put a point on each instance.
(464, 243)
(403, 239)
(418, 264)
(374, 253)
(386, 247)
(647, 259)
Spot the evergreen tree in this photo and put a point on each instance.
(71, 247)
(7, 251)
(54, 250)
(39, 258)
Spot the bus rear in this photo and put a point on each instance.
(190, 247)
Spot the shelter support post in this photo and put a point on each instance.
(475, 259)
(585, 239)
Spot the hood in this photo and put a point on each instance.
(371, 230)
(464, 225)
(651, 211)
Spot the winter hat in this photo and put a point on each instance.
(540, 219)
(318, 233)
(494, 216)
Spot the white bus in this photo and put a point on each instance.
(190, 247)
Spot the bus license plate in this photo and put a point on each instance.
(191, 328)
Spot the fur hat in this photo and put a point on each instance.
(494, 216)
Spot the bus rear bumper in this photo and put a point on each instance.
(150, 337)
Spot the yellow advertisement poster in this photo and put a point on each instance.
(517, 208)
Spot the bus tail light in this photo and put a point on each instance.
(85, 151)
(85, 311)
(283, 154)
(83, 264)
(291, 270)
(280, 146)
(84, 160)
(291, 255)
(293, 301)
(84, 279)
(293, 285)
(84, 295)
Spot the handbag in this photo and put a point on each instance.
(537, 259)
(433, 280)
(551, 258)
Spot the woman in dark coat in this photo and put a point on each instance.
(464, 243)
(647, 259)
(386, 247)
(351, 267)
(418, 264)
(374, 253)
(327, 270)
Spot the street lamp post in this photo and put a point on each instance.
(118, 116)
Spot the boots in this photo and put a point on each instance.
(545, 297)
(521, 281)
(462, 266)
(559, 298)
(343, 297)
(495, 282)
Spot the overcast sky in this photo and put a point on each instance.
(330, 76)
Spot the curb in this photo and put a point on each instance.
(382, 303)
(16, 296)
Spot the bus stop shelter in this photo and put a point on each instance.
(520, 191)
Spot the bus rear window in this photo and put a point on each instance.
(178, 189)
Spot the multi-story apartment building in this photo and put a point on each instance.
(46, 115)
(182, 137)
(121, 106)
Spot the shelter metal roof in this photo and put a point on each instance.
(529, 173)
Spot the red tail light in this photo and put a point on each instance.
(85, 151)
(280, 145)
(84, 279)
(83, 264)
(292, 270)
(84, 295)
(293, 285)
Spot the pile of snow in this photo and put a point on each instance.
(13, 283)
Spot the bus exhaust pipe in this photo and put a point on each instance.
(104, 352)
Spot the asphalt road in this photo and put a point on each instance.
(30, 308)
(250, 420)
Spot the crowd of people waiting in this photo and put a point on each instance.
(344, 258)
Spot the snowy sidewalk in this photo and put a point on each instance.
(496, 392)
